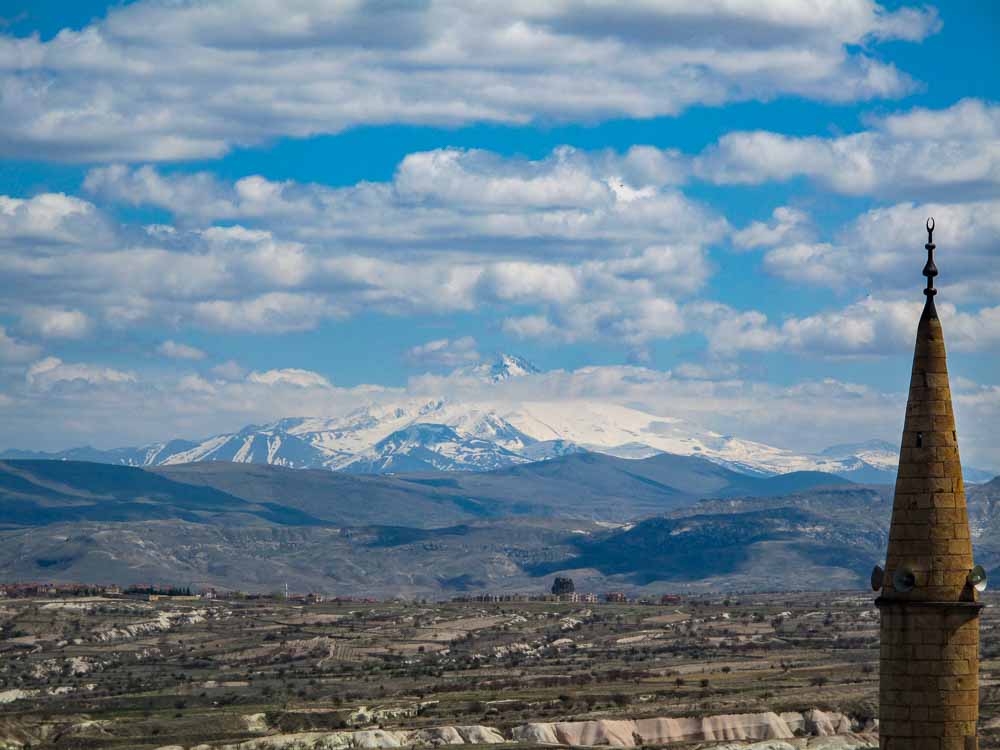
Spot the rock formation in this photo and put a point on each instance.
(801, 729)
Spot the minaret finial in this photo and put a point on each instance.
(930, 270)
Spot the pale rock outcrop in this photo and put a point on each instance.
(440, 736)
(378, 738)
(162, 622)
(15, 694)
(795, 721)
(764, 726)
(771, 731)
(535, 733)
(629, 733)
(255, 722)
(477, 734)
(826, 724)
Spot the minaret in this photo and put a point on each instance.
(929, 680)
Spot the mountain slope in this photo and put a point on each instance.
(335, 497)
(35, 493)
(579, 485)
(574, 486)
(823, 538)
(256, 526)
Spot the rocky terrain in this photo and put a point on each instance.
(643, 526)
(765, 671)
(840, 733)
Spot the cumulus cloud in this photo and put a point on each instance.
(911, 154)
(633, 321)
(290, 376)
(132, 86)
(883, 248)
(568, 236)
(177, 350)
(871, 327)
(276, 312)
(229, 370)
(55, 322)
(444, 353)
(571, 200)
(48, 372)
(732, 331)
(49, 218)
(787, 224)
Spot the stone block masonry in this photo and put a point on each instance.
(929, 651)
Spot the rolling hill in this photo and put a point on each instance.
(660, 523)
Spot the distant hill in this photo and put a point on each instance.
(821, 538)
(334, 497)
(578, 485)
(37, 493)
(256, 526)
(661, 523)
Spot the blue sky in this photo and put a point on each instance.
(726, 197)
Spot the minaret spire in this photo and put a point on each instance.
(928, 684)
(930, 270)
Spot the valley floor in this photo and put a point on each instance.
(108, 673)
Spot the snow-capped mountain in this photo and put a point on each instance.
(443, 435)
(502, 367)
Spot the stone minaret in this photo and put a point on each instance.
(929, 684)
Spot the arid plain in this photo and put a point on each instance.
(119, 673)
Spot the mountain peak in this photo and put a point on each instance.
(503, 367)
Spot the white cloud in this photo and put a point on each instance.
(49, 218)
(176, 350)
(633, 321)
(870, 327)
(444, 353)
(229, 370)
(968, 118)
(569, 235)
(290, 376)
(572, 201)
(732, 331)
(917, 153)
(12, 350)
(883, 249)
(972, 331)
(134, 86)
(55, 322)
(531, 326)
(787, 224)
(276, 312)
(48, 372)
(195, 384)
